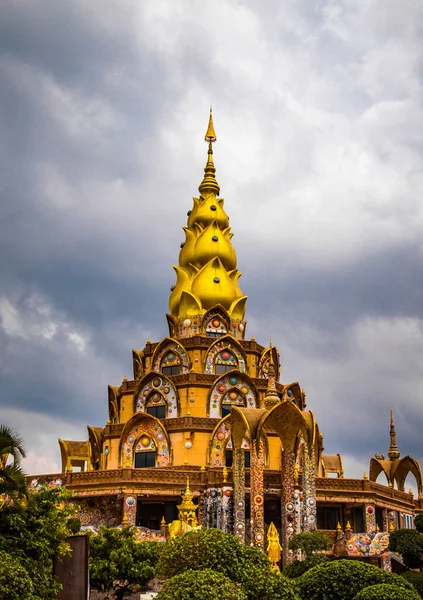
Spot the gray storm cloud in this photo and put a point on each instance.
(318, 109)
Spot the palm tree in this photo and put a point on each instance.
(13, 488)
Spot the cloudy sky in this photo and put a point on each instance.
(318, 112)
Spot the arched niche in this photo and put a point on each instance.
(170, 353)
(217, 354)
(157, 383)
(216, 323)
(232, 382)
(264, 363)
(403, 467)
(140, 425)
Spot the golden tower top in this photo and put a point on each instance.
(207, 274)
(393, 453)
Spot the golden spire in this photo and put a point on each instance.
(207, 273)
(209, 183)
(393, 448)
(210, 133)
(271, 397)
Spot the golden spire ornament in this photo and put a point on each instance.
(393, 448)
(209, 183)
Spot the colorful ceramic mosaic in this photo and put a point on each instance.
(158, 384)
(153, 430)
(172, 354)
(218, 444)
(239, 494)
(370, 518)
(218, 349)
(103, 510)
(363, 544)
(37, 484)
(129, 510)
(309, 489)
(231, 389)
(287, 504)
(257, 493)
(227, 510)
(216, 325)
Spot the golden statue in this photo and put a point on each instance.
(273, 546)
(187, 518)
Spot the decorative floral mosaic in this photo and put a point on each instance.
(149, 429)
(172, 354)
(159, 384)
(370, 519)
(103, 510)
(364, 544)
(231, 389)
(37, 484)
(219, 350)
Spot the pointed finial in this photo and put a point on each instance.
(338, 527)
(209, 183)
(391, 527)
(393, 448)
(348, 526)
(210, 133)
(187, 490)
(377, 528)
(365, 476)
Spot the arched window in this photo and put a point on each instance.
(233, 397)
(171, 364)
(156, 406)
(229, 458)
(145, 452)
(143, 460)
(225, 361)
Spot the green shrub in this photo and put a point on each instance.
(201, 585)
(408, 543)
(296, 568)
(15, 583)
(207, 549)
(343, 579)
(310, 542)
(74, 525)
(418, 523)
(416, 580)
(386, 591)
(116, 555)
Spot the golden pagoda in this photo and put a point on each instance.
(206, 403)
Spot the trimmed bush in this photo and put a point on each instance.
(408, 543)
(344, 579)
(207, 549)
(416, 580)
(15, 583)
(199, 585)
(310, 542)
(296, 568)
(386, 591)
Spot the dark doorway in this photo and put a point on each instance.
(272, 511)
(150, 514)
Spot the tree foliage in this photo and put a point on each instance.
(418, 523)
(386, 591)
(13, 488)
(416, 580)
(116, 555)
(198, 585)
(310, 542)
(34, 534)
(344, 579)
(408, 543)
(15, 583)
